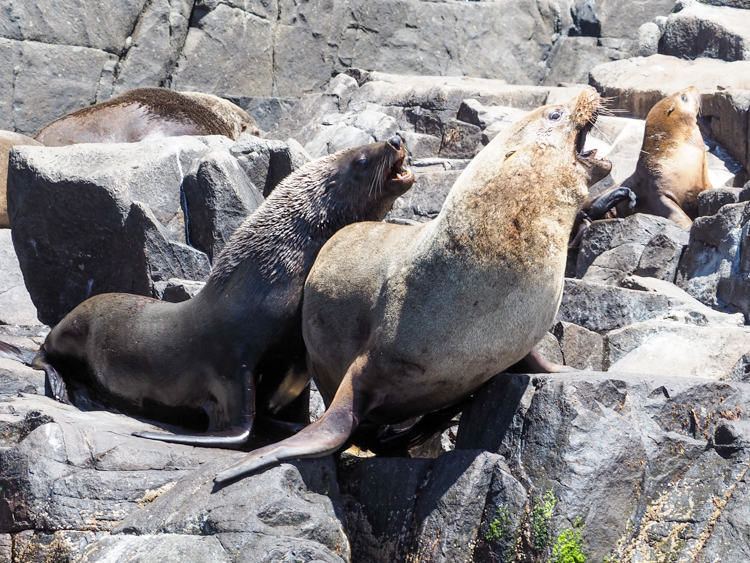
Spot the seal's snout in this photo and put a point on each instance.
(395, 142)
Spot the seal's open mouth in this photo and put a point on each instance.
(581, 139)
(398, 171)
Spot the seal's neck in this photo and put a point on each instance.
(515, 211)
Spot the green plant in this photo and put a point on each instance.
(499, 528)
(542, 514)
(569, 545)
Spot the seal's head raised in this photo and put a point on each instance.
(370, 177)
(555, 135)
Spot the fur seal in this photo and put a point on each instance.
(672, 168)
(166, 361)
(400, 321)
(8, 140)
(148, 114)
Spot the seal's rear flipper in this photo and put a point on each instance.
(388, 440)
(15, 353)
(534, 363)
(322, 437)
(236, 436)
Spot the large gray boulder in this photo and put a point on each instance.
(700, 30)
(90, 219)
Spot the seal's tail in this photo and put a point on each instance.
(15, 353)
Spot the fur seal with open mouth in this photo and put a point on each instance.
(155, 359)
(400, 321)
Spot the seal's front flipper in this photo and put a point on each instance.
(234, 437)
(534, 363)
(387, 440)
(322, 437)
(54, 385)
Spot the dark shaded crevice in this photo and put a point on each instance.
(192, 17)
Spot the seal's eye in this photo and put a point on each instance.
(362, 162)
(684, 98)
(555, 115)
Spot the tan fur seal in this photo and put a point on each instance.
(167, 360)
(8, 140)
(147, 114)
(400, 321)
(672, 168)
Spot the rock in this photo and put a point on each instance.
(672, 349)
(637, 84)
(452, 503)
(105, 210)
(683, 308)
(611, 266)
(661, 256)
(238, 40)
(474, 112)
(253, 515)
(460, 140)
(72, 78)
(156, 549)
(82, 24)
(710, 201)
(549, 348)
(73, 470)
(381, 496)
(155, 46)
(16, 307)
(266, 111)
(598, 307)
(434, 179)
(608, 234)
(581, 348)
(176, 290)
(728, 113)
(614, 449)
(647, 40)
(623, 19)
(219, 196)
(700, 30)
(17, 378)
(714, 268)
(571, 59)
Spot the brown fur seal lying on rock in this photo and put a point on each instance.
(147, 114)
(672, 168)
(148, 357)
(400, 321)
(8, 140)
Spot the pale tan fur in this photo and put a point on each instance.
(672, 168)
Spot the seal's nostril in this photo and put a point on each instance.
(395, 142)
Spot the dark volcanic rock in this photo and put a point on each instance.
(630, 455)
(598, 307)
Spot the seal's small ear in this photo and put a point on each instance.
(670, 110)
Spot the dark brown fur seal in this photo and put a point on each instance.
(672, 168)
(8, 140)
(400, 321)
(148, 114)
(148, 357)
